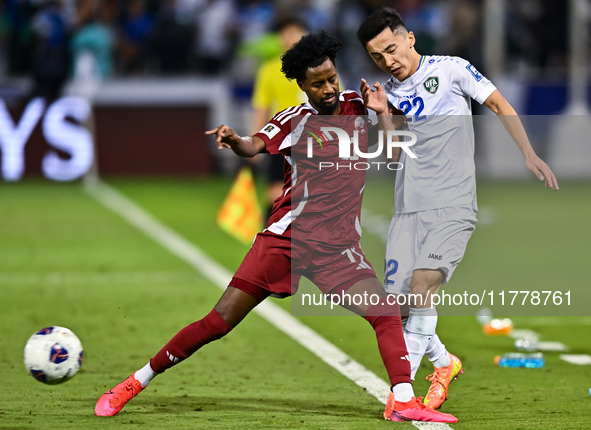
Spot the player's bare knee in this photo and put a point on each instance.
(227, 315)
(234, 305)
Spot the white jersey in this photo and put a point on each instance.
(436, 101)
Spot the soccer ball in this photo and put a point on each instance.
(53, 355)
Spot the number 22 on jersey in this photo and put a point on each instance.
(417, 104)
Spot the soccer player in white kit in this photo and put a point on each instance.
(435, 193)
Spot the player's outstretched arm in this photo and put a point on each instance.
(500, 106)
(246, 147)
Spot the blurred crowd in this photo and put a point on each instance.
(49, 40)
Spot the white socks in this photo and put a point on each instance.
(416, 345)
(403, 392)
(421, 321)
(145, 375)
(419, 331)
(436, 352)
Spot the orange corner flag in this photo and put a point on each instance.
(240, 215)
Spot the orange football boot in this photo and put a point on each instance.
(389, 406)
(414, 410)
(440, 380)
(113, 400)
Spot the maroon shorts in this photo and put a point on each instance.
(276, 264)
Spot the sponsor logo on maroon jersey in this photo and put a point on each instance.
(318, 136)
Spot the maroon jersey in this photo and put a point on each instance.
(319, 203)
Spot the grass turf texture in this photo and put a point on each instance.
(66, 260)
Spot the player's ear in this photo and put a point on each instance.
(301, 85)
(411, 39)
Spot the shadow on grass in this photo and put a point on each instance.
(180, 405)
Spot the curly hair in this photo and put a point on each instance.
(311, 51)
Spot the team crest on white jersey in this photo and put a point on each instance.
(431, 84)
(360, 125)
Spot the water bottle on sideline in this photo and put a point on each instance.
(517, 359)
(529, 344)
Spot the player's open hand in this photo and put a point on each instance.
(374, 100)
(542, 171)
(225, 137)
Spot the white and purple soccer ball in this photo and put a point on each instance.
(53, 355)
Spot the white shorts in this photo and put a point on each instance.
(432, 239)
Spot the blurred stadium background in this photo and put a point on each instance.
(158, 73)
(125, 90)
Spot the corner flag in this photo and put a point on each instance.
(240, 215)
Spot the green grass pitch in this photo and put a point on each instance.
(66, 260)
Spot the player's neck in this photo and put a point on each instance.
(336, 111)
(416, 62)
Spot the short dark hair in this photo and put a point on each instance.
(377, 22)
(311, 51)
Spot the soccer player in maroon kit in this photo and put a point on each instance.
(312, 231)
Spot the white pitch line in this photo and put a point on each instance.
(220, 276)
(60, 278)
(431, 426)
(580, 359)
